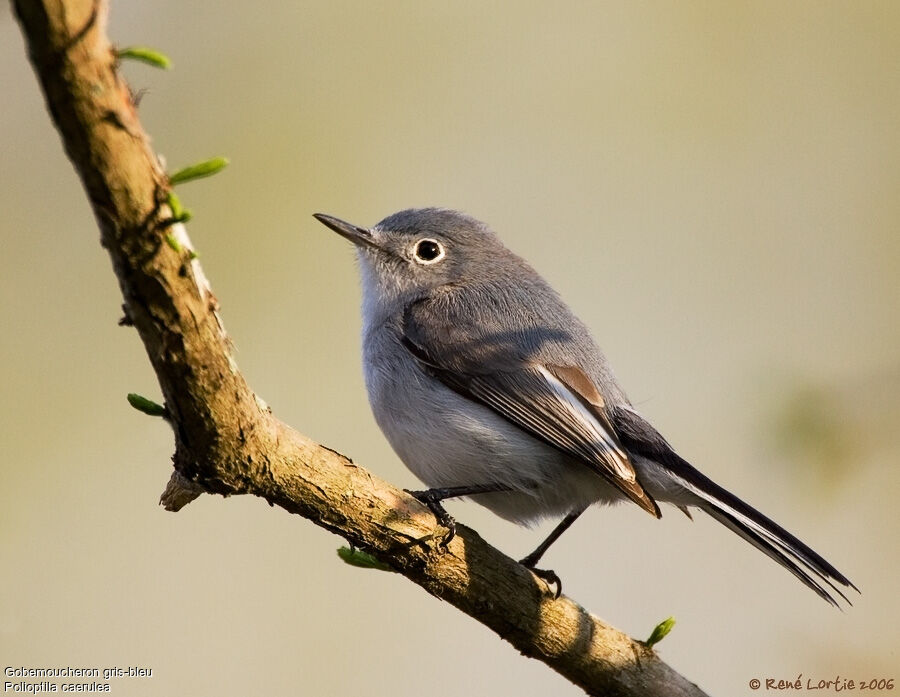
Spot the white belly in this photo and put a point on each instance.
(446, 439)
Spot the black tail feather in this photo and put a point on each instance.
(642, 439)
(779, 555)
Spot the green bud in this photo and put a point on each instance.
(173, 243)
(145, 405)
(364, 560)
(660, 631)
(150, 56)
(199, 170)
(179, 213)
(175, 204)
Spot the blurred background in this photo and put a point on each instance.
(715, 189)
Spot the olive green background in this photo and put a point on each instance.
(714, 187)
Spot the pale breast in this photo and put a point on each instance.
(446, 439)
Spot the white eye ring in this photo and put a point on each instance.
(428, 251)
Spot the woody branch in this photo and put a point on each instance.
(226, 440)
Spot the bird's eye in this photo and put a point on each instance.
(429, 251)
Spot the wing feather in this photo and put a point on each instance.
(538, 399)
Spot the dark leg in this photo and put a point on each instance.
(564, 525)
(433, 497)
(529, 562)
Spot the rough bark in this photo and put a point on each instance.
(226, 440)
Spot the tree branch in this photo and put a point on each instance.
(226, 440)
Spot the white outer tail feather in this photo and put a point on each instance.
(767, 541)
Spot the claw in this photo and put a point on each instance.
(548, 576)
(444, 519)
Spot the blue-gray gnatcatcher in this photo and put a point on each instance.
(486, 385)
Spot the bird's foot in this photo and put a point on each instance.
(548, 576)
(432, 498)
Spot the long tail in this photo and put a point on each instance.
(763, 533)
(766, 535)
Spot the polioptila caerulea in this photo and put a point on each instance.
(486, 385)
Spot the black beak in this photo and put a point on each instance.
(357, 235)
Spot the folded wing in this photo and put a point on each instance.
(556, 404)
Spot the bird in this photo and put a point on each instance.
(487, 386)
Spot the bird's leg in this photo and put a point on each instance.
(548, 575)
(564, 525)
(433, 497)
